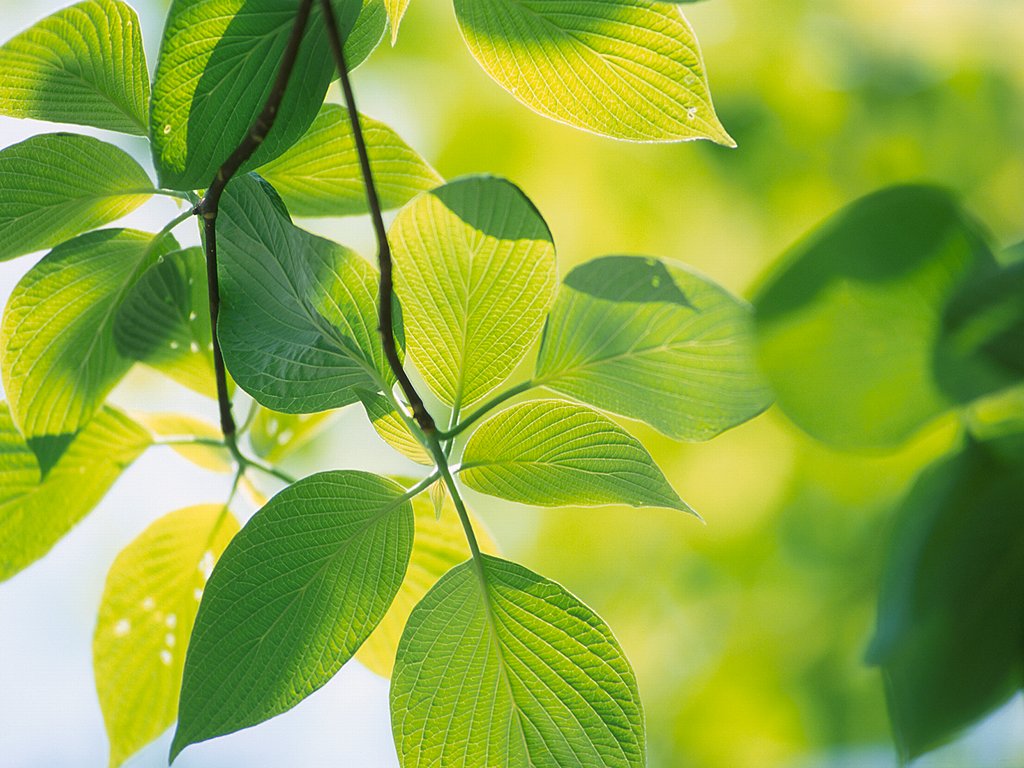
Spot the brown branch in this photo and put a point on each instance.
(385, 299)
(209, 206)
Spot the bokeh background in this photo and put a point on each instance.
(747, 633)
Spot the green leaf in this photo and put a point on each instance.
(298, 322)
(552, 453)
(84, 65)
(628, 69)
(396, 10)
(475, 270)
(58, 185)
(320, 175)
(35, 514)
(218, 62)
(388, 423)
(849, 323)
(440, 545)
(292, 599)
(164, 321)
(149, 605)
(950, 616)
(499, 663)
(275, 435)
(169, 426)
(652, 340)
(59, 357)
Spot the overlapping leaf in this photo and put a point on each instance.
(218, 62)
(503, 666)
(84, 65)
(440, 545)
(554, 453)
(393, 430)
(35, 513)
(59, 356)
(850, 322)
(55, 186)
(629, 69)
(298, 321)
(291, 600)
(164, 321)
(146, 615)
(654, 341)
(475, 270)
(320, 175)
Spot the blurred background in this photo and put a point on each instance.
(747, 633)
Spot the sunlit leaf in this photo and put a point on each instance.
(500, 663)
(292, 599)
(35, 514)
(396, 10)
(392, 429)
(275, 435)
(553, 453)
(58, 185)
(950, 615)
(171, 426)
(218, 62)
(475, 270)
(629, 69)
(84, 65)
(149, 605)
(59, 357)
(440, 545)
(164, 321)
(850, 321)
(320, 175)
(298, 320)
(654, 341)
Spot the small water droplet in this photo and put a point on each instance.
(148, 604)
(170, 639)
(210, 346)
(192, 317)
(175, 345)
(167, 129)
(122, 628)
(691, 113)
(194, 347)
(272, 425)
(285, 436)
(206, 564)
(197, 593)
(165, 657)
(171, 621)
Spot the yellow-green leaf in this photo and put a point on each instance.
(180, 426)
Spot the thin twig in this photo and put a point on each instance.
(209, 206)
(385, 308)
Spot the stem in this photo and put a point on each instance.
(385, 308)
(208, 207)
(460, 506)
(487, 407)
(272, 471)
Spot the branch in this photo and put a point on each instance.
(209, 206)
(385, 299)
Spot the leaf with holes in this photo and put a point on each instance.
(320, 174)
(552, 453)
(146, 614)
(84, 65)
(298, 322)
(292, 599)
(59, 357)
(498, 661)
(628, 69)
(475, 271)
(58, 185)
(36, 513)
(652, 340)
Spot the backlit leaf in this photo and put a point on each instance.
(170, 426)
(396, 10)
(57, 185)
(475, 271)
(292, 599)
(35, 514)
(502, 664)
(628, 69)
(652, 340)
(149, 605)
(84, 64)
(320, 174)
(392, 429)
(553, 453)
(275, 435)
